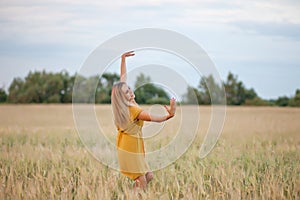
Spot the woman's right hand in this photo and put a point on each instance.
(128, 54)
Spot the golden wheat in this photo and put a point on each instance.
(256, 157)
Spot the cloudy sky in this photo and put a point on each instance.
(257, 40)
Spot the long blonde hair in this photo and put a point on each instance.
(120, 106)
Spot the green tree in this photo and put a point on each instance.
(34, 87)
(203, 92)
(104, 87)
(39, 87)
(53, 88)
(3, 95)
(295, 101)
(84, 89)
(15, 91)
(236, 93)
(45, 87)
(282, 101)
(192, 96)
(209, 90)
(257, 101)
(148, 93)
(94, 89)
(67, 91)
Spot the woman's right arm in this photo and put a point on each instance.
(146, 116)
(123, 73)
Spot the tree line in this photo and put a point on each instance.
(236, 94)
(48, 87)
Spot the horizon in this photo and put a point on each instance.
(179, 95)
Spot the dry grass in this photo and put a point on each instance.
(257, 157)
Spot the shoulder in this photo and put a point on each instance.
(134, 111)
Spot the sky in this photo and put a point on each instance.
(258, 40)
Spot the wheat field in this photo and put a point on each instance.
(256, 157)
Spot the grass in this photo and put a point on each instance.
(256, 157)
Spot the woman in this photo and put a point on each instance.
(129, 119)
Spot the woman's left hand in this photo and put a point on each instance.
(172, 108)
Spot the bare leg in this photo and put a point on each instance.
(149, 176)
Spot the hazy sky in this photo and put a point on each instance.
(257, 40)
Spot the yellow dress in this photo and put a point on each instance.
(130, 147)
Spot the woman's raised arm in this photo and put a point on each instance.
(123, 73)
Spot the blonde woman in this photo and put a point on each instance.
(129, 118)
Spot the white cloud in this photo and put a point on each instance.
(69, 20)
(256, 11)
(231, 30)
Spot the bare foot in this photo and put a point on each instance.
(140, 182)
